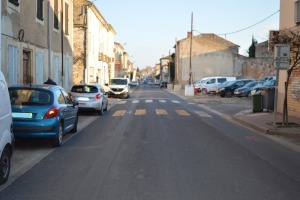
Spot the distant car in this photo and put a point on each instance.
(90, 97)
(6, 134)
(267, 85)
(227, 88)
(245, 91)
(43, 111)
(164, 84)
(134, 83)
(197, 83)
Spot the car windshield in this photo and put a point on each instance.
(84, 89)
(270, 83)
(30, 96)
(227, 83)
(251, 84)
(118, 82)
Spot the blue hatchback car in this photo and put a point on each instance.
(43, 111)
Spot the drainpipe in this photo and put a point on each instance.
(85, 44)
(49, 41)
(62, 42)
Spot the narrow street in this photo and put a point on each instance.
(156, 145)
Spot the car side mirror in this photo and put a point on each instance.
(75, 103)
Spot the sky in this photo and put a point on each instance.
(148, 29)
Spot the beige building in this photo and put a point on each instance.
(289, 20)
(93, 45)
(37, 41)
(211, 56)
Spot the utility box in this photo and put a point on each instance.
(257, 103)
(268, 96)
(282, 56)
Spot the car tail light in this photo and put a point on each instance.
(98, 96)
(70, 95)
(52, 112)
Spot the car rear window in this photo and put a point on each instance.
(30, 96)
(84, 89)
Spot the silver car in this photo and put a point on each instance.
(90, 97)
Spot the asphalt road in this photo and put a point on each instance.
(158, 146)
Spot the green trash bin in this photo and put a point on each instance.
(257, 103)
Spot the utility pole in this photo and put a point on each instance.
(191, 44)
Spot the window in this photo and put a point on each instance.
(55, 14)
(13, 53)
(40, 9)
(15, 2)
(66, 19)
(60, 97)
(297, 12)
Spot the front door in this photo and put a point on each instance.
(26, 68)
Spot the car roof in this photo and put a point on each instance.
(41, 86)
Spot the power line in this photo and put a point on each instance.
(250, 26)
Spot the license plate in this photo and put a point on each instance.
(22, 115)
(82, 98)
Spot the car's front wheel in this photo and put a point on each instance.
(57, 141)
(4, 165)
(74, 130)
(228, 94)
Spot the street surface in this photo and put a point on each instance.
(158, 146)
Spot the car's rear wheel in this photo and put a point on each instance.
(74, 130)
(57, 141)
(100, 112)
(105, 109)
(4, 165)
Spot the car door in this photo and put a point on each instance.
(71, 111)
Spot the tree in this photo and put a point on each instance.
(291, 37)
(251, 51)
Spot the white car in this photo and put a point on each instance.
(6, 135)
(90, 97)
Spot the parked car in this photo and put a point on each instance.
(6, 135)
(197, 83)
(267, 85)
(134, 83)
(43, 111)
(211, 83)
(90, 97)
(245, 91)
(227, 88)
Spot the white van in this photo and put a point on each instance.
(119, 87)
(211, 83)
(6, 135)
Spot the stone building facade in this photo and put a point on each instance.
(37, 41)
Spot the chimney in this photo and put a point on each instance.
(189, 34)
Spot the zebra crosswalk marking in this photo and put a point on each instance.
(135, 101)
(182, 112)
(119, 113)
(140, 112)
(162, 101)
(202, 114)
(149, 101)
(175, 101)
(121, 102)
(161, 112)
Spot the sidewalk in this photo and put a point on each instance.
(262, 122)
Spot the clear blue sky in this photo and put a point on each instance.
(150, 27)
